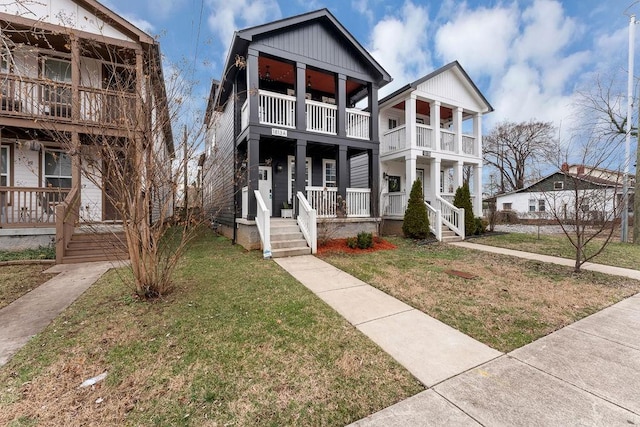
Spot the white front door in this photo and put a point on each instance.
(264, 186)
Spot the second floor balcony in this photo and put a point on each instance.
(276, 109)
(45, 99)
(397, 139)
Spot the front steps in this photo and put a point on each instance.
(449, 236)
(95, 246)
(287, 239)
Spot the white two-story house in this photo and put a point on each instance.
(431, 129)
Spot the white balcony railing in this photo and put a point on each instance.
(393, 140)
(325, 202)
(468, 145)
(447, 141)
(358, 202)
(277, 109)
(321, 117)
(395, 204)
(424, 136)
(358, 123)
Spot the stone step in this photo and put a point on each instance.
(280, 253)
(286, 236)
(283, 229)
(454, 238)
(285, 244)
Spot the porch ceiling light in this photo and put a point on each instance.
(267, 75)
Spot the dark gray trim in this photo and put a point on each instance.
(374, 181)
(253, 162)
(301, 158)
(301, 113)
(252, 85)
(342, 169)
(415, 84)
(341, 90)
(373, 110)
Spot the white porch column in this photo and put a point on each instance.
(410, 174)
(458, 178)
(457, 128)
(477, 190)
(410, 120)
(435, 178)
(435, 123)
(477, 133)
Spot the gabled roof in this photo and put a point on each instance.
(242, 38)
(116, 20)
(452, 65)
(600, 182)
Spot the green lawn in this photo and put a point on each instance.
(40, 253)
(511, 302)
(239, 342)
(616, 253)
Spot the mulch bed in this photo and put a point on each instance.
(340, 246)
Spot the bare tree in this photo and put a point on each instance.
(605, 103)
(584, 198)
(516, 149)
(114, 120)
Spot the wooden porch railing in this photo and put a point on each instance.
(67, 214)
(394, 139)
(321, 117)
(395, 204)
(28, 97)
(358, 123)
(358, 202)
(22, 207)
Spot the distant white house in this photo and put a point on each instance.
(595, 192)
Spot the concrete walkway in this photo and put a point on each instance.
(601, 268)
(31, 313)
(585, 374)
(426, 347)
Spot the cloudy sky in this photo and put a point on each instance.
(528, 57)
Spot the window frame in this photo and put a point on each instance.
(508, 206)
(556, 187)
(532, 205)
(393, 123)
(46, 176)
(325, 182)
(291, 161)
(542, 205)
(6, 174)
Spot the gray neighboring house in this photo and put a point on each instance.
(286, 108)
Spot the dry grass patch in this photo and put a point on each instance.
(511, 303)
(17, 280)
(239, 342)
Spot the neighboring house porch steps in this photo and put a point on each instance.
(95, 246)
(287, 239)
(449, 235)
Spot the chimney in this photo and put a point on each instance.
(580, 169)
(565, 167)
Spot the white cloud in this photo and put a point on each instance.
(479, 39)
(363, 7)
(227, 16)
(400, 44)
(142, 24)
(164, 8)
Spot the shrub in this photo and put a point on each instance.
(480, 225)
(462, 199)
(365, 240)
(352, 242)
(416, 218)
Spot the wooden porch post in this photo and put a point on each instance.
(301, 170)
(373, 107)
(253, 84)
(253, 163)
(341, 90)
(374, 181)
(343, 171)
(75, 79)
(301, 108)
(457, 126)
(410, 120)
(435, 177)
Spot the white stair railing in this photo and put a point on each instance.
(307, 221)
(435, 221)
(451, 216)
(263, 221)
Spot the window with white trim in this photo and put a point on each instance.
(330, 174)
(506, 206)
(57, 169)
(4, 166)
(542, 205)
(393, 123)
(55, 96)
(558, 185)
(532, 205)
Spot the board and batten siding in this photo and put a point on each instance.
(448, 86)
(219, 169)
(316, 42)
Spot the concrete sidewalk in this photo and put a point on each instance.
(31, 313)
(601, 268)
(585, 374)
(429, 349)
